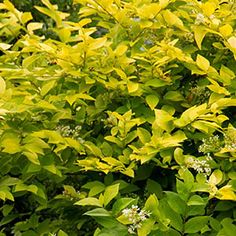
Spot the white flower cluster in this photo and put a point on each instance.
(67, 131)
(200, 19)
(214, 20)
(201, 166)
(136, 216)
(211, 144)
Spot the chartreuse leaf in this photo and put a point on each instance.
(178, 155)
(152, 101)
(98, 212)
(223, 103)
(202, 63)
(216, 177)
(151, 205)
(61, 233)
(143, 135)
(190, 115)
(110, 193)
(10, 142)
(47, 87)
(2, 85)
(89, 201)
(146, 227)
(163, 120)
(6, 194)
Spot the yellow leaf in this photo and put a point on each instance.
(202, 63)
(199, 34)
(97, 43)
(34, 26)
(164, 3)
(226, 30)
(121, 49)
(226, 193)
(149, 11)
(232, 42)
(2, 85)
(208, 8)
(4, 46)
(26, 16)
(132, 87)
(64, 34)
(172, 19)
(215, 87)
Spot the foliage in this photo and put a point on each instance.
(117, 117)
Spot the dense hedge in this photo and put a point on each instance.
(117, 117)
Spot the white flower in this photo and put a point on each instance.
(201, 166)
(136, 216)
(199, 19)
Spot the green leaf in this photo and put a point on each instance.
(196, 200)
(174, 96)
(154, 187)
(120, 204)
(229, 228)
(8, 181)
(176, 203)
(195, 224)
(175, 219)
(110, 193)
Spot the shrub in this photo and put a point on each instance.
(118, 118)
